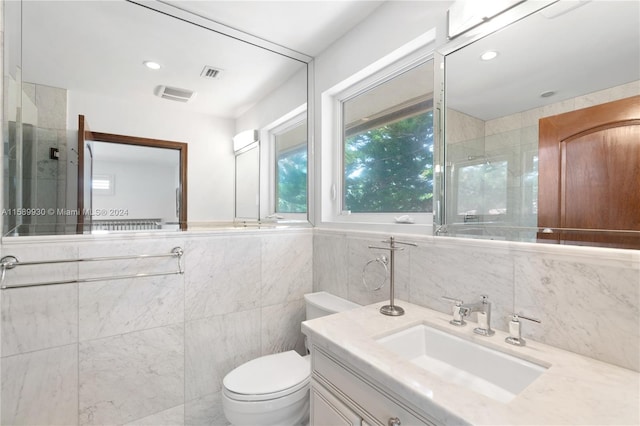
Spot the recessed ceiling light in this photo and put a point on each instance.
(547, 94)
(152, 65)
(488, 55)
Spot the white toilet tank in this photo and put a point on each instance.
(322, 303)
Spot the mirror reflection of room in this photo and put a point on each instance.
(533, 69)
(290, 146)
(141, 82)
(121, 173)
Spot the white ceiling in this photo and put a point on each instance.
(590, 48)
(595, 46)
(305, 26)
(98, 47)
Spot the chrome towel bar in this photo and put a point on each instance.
(10, 262)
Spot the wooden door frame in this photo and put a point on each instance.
(85, 134)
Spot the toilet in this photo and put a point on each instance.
(274, 389)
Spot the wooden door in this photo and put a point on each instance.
(589, 175)
(85, 174)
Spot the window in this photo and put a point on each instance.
(291, 177)
(291, 169)
(286, 171)
(103, 184)
(388, 145)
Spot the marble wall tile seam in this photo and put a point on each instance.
(209, 317)
(190, 400)
(41, 387)
(38, 318)
(282, 303)
(286, 263)
(135, 421)
(223, 314)
(215, 346)
(97, 339)
(206, 410)
(132, 375)
(116, 307)
(280, 328)
(31, 352)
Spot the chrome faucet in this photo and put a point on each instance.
(483, 308)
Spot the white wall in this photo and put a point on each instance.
(282, 101)
(157, 181)
(210, 153)
(390, 26)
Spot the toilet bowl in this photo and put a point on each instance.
(270, 390)
(274, 389)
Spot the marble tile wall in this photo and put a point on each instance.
(587, 298)
(44, 183)
(152, 350)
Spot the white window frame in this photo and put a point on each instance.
(407, 57)
(268, 158)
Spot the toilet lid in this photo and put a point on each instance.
(268, 374)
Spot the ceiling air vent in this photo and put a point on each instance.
(211, 72)
(175, 94)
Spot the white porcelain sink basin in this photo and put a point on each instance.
(487, 371)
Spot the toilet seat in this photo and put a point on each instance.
(268, 377)
(267, 396)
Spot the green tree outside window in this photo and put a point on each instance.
(292, 181)
(390, 168)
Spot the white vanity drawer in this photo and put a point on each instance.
(375, 406)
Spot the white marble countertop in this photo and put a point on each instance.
(575, 390)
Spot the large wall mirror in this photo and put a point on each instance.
(94, 58)
(542, 122)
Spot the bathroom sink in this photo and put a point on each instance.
(490, 372)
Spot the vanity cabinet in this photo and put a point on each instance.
(326, 409)
(340, 395)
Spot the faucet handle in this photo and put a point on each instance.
(457, 302)
(515, 337)
(457, 311)
(518, 316)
